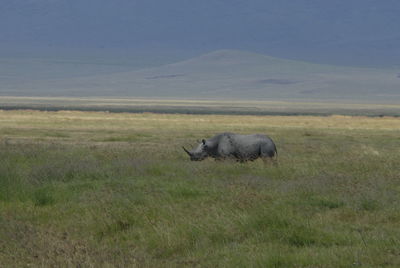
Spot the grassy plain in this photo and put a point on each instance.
(94, 189)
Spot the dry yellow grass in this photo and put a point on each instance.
(95, 122)
(261, 107)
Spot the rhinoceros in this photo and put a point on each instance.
(240, 147)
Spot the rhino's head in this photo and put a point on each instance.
(199, 153)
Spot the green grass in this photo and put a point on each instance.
(84, 198)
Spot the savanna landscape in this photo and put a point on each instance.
(103, 189)
(98, 100)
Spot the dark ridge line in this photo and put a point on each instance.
(202, 111)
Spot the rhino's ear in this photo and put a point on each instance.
(203, 141)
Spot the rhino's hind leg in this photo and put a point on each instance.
(274, 160)
(268, 154)
(270, 160)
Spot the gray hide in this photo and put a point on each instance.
(239, 147)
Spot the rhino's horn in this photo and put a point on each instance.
(187, 151)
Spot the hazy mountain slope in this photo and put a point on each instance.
(19, 71)
(229, 74)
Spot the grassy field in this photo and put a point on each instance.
(96, 189)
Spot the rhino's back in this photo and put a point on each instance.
(251, 144)
(250, 139)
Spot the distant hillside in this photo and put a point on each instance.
(223, 74)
